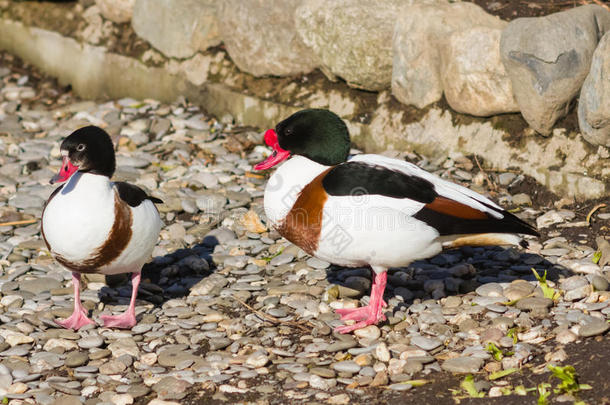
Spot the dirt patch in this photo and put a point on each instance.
(62, 17)
(588, 357)
(510, 9)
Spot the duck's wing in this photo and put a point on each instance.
(448, 207)
(133, 195)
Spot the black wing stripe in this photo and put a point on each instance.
(358, 178)
(447, 224)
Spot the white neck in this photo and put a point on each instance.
(87, 181)
(285, 185)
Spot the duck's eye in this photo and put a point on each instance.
(80, 147)
(288, 131)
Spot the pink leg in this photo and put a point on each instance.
(78, 319)
(372, 313)
(127, 320)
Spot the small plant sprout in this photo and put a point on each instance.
(548, 291)
(468, 385)
(568, 377)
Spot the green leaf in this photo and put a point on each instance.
(468, 385)
(597, 256)
(502, 373)
(495, 352)
(543, 393)
(567, 375)
(549, 292)
(512, 333)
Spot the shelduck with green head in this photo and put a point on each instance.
(369, 210)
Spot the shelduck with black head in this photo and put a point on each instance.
(91, 224)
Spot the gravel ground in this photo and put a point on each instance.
(231, 312)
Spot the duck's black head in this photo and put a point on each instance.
(88, 150)
(319, 135)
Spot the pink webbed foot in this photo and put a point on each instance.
(372, 313)
(77, 320)
(127, 320)
(359, 325)
(359, 314)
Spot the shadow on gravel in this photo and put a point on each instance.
(165, 277)
(452, 272)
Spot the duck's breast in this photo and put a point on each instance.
(78, 218)
(285, 186)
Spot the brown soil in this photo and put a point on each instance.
(588, 357)
(510, 9)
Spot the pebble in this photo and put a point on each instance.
(91, 341)
(490, 290)
(425, 343)
(599, 283)
(171, 388)
(533, 303)
(370, 332)
(75, 359)
(462, 365)
(112, 367)
(347, 366)
(593, 328)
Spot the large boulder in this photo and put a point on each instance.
(547, 60)
(261, 38)
(420, 31)
(352, 38)
(177, 28)
(118, 11)
(473, 76)
(594, 101)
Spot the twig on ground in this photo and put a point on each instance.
(186, 162)
(23, 222)
(271, 318)
(590, 214)
(491, 183)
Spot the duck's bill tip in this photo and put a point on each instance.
(277, 157)
(67, 170)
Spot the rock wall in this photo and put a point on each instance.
(458, 51)
(420, 49)
(564, 162)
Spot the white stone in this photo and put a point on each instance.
(419, 31)
(352, 38)
(60, 343)
(594, 101)
(261, 37)
(177, 28)
(473, 76)
(118, 11)
(547, 59)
